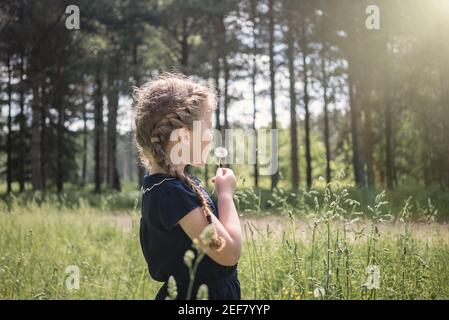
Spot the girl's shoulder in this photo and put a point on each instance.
(169, 197)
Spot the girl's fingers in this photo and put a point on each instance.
(220, 171)
(227, 172)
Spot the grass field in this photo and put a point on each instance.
(330, 251)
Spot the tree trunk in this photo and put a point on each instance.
(226, 91)
(218, 127)
(184, 47)
(136, 76)
(44, 97)
(113, 98)
(22, 149)
(303, 44)
(359, 174)
(444, 87)
(388, 148)
(274, 177)
(60, 139)
(326, 118)
(9, 137)
(369, 147)
(184, 66)
(85, 133)
(293, 121)
(36, 155)
(98, 131)
(36, 173)
(389, 166)
(22, 124)
(217, 86)
(253, 87)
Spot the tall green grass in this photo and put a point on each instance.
(338, 255)
(38, 243)
(327, 246)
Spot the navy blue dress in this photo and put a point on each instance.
(165, 200)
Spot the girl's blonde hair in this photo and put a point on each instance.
(171, 101)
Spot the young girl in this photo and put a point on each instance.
(175, 207)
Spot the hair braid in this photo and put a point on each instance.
(217, 242)
(164, 104)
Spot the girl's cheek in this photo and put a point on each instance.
(206, 146)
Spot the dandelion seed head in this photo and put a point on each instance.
(221, 152)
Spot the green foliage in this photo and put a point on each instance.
(39, 242)
(332, 252)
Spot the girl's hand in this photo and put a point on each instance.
(225, 182)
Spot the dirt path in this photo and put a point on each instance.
(276, 225)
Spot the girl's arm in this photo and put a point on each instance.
(227, 227)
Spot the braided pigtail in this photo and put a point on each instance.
(217, 242)
(169, 102)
